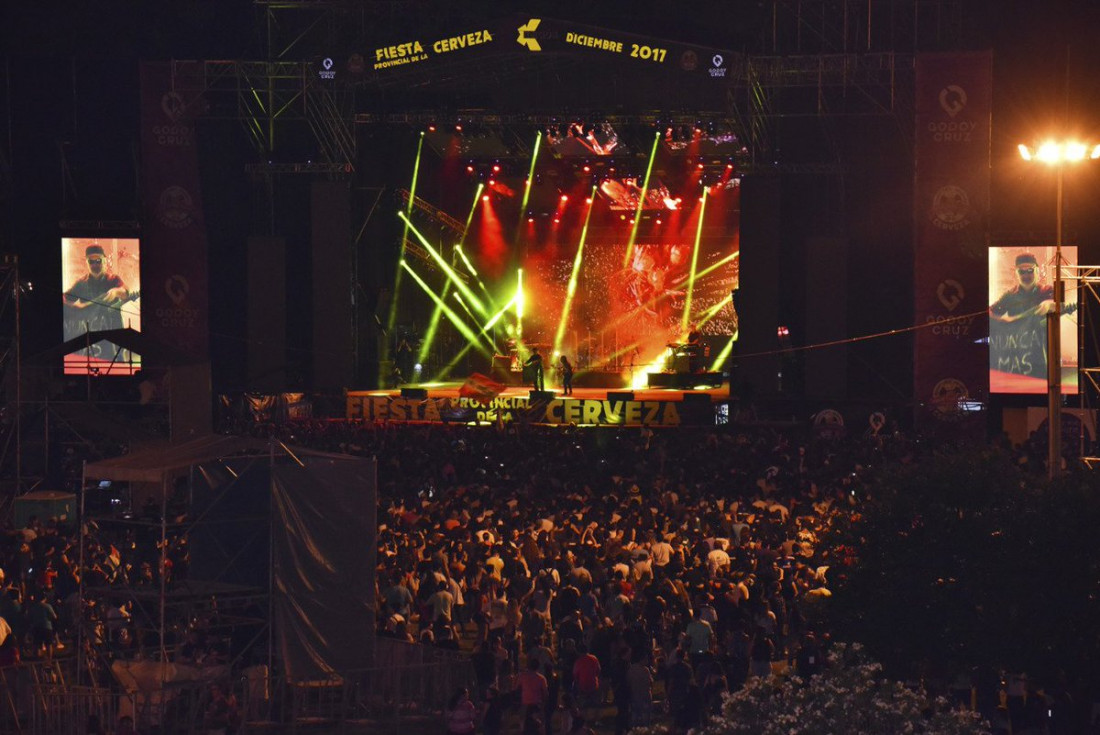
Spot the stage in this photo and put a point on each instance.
(716, 394)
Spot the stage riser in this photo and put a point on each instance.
(683, 380)
(602, 379)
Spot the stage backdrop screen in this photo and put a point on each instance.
(101, 290)
(1021, 289)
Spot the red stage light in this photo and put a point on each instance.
(587, 169)
(530, 220)
(492, 182)
(588, 200)
(431, 128)
(565, 197)
(557, 221)
(729, 165)
(699, 166)
(658, 221)
(496, 169)
(458, 128)
(485, 198)
(469, 169)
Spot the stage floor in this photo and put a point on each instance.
(451, 390)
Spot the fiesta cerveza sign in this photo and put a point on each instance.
(581, 412)
(417, 50)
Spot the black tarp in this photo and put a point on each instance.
(323, 542)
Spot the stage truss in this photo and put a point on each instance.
(1088, 340)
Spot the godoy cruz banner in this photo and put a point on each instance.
(176, 300)
(507, 409)
(953, 107)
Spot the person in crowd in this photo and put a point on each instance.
(461, 714)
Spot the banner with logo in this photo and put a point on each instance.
(365, 406)
(175, 297)
(694, 72)
(953, 107)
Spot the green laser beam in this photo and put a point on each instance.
(694, 262)
(459, 324)
(641, 201)
(572, 288)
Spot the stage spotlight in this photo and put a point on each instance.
(557, 220)
(485, 197)
(587, 169)
(588, 200)
(458, 128)
(530, 220)
(565, 197)
(492, 182)
(496, 168)
(469, 169)
(431, 128)
(699, 166)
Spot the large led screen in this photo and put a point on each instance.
(1021, 294)
(101, 290)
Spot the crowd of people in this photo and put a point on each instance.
(628, 575)
(612, 576)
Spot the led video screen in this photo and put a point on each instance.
(1021, 294)
(101, 290)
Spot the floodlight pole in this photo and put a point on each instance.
(1054, 350)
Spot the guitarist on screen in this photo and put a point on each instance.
(94, 302)
(1017, 322)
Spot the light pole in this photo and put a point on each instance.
(1057, 154)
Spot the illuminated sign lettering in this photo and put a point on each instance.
(602, 44)
(455, 43)
(590, 412)
(402, 53)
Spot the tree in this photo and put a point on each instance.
(848, 696)
(963, 561)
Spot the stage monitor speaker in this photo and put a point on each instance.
(502, 365)
(543, 395)
(418, 393)
(613, 395)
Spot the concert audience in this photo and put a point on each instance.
(618, 576)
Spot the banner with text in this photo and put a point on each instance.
(175, 299)
(508, 409)
(953, 107)
(698, 72)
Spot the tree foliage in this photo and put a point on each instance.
(965, 561)
(848, 696)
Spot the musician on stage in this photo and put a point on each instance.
(694, 348)
(534, 364)
(566, 375)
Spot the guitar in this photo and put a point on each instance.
(1033, 311)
